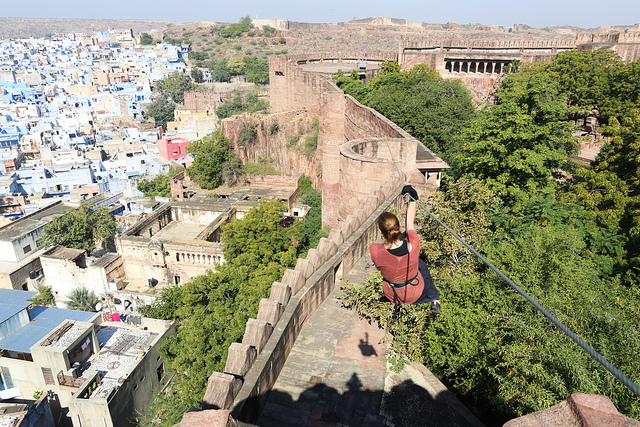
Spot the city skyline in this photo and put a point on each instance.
(544, 13)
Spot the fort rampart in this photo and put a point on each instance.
(341, 119)
(253, 366)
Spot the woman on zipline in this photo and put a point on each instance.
(406, 278)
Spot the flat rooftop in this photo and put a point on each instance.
(177, 230)
(27, 224)
(119, 353)
(44, 320)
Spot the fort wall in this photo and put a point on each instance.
(253, 366)
(341, 119)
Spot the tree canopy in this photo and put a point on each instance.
(146, 39)
(80, 228)
(515, 145)
(212, 310)
(211, 153)
(175, 85)
(238, 103)
(431, 109)
(567, 233)
(161, 110)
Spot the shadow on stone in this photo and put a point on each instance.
(365, 348)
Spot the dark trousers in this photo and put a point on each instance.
(430, 292)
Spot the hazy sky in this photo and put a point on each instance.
(540, 13)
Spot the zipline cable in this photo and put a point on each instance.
(586, 347)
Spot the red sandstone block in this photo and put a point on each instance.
(362, 217)
(326, 249)
(355, 222)
(221, 389)
(280, 292)
(269, 311)
(257, 334)
(314, 258)
(371, 204)
(304, 267)
(347, 228)
(336, 236)
(210, 418)
(294, 279)
(240, 359)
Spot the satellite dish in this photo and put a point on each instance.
(99, 306)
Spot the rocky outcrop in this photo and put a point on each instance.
(280, 140)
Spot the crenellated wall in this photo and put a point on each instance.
(253, 366)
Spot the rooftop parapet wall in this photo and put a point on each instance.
(608, 38)
(311, 58)
(491, 45)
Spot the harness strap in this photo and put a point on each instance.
(400, 285)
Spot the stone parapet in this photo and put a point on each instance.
(253, 365)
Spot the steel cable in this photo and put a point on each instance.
(586, 347)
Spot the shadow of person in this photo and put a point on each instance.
(365, 348)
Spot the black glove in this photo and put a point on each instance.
(407, 189)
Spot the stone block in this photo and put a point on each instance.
(380, 197)
(210, 418)
(257, 334)
(579, 409)
(221, 390)
(304, 267)
(347, 228)
(239, 359)
(314, 259)
(386, 189)
(336, 236)
(594, 410)
(362, 217)
(326, 249)
(280, 292)
(370, 205)
(355, 222)
(270, 311)
(294, 279)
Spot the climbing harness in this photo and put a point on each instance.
(396, 300)
(586, 347)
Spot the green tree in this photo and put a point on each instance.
(212, 310)
(515, 145)
(587, 78)
(210, 155)
(44, 296)
(256, 70)
(237, 103)
(236, 65)
(221, 75)
(161, 110)
(158, 186)
(175, 85)
(197, 75)
(82, 299)
(80, 228)
(146, 39)
(431, 109)
(268, 31)
(611, 189)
